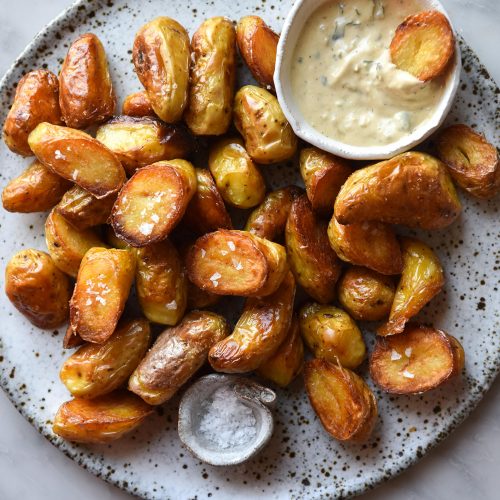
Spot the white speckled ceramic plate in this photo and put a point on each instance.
(301, 461)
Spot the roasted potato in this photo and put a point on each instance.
(78, 157)
(138, 142)
(471, 160)
(257, 43)
(71, 339)
(37, 189)
(365, 294)
(268, 136)
(98, 369)
(101, 290)
(161, 60)
(412, 189)
(331, 334)
(36, 101)
(343, 402)
(137, 104)
(113, 241)
(100, 420)
(176, 356)
(422, 279)
(200, 299)
(37, 289)
(161, 283)
(323, 175)
(213, 73)
(153, 201)
(268, 220)
(238, 179)
(370, 244)
(423, 44)
(416, 361)
(261, 329)
(86, 92)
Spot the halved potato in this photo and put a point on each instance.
(422, 279)
(343, 402)
(418, 360)
(137, 104)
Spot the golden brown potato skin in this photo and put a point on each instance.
(37, 288)
(36, 101)
(213, 73)
(268, 136)
(137, 104)
(176, 356)
(161, 59)
(86, 91)
(412, 189)
(471, 160)
(37, 189)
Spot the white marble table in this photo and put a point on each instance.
(466, 466)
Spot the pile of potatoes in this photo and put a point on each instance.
(128, 206)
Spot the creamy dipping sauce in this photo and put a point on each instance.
(344, 82)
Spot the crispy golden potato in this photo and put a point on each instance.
(72, 339)
(153, 201)
(332, 334)
(257, 43)
(312, 260)
(261, 329)
(422, 279)
(161, 60)
(343, 402)
(113, 241)
(78, 157)
(206, 211)
(238, 179)
(68, 245)
(100, 420)
(412, 189)
(98, 369)
(137, 104)
(323, 175)
(365, 294)
(416, 361)
(37, 289)
(101, 290)
(286, 363)
(423, 44)
(138, 142)
(268, 136)
(36, 101)
(161, 283)
(83, 210)
(37, 189)
(213, 73)
(176, 356)
(471, 160)
(268, 220)
(86, 91)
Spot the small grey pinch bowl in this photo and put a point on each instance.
(252, 394)
(293, 25)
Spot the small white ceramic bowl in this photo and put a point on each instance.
(290, 33)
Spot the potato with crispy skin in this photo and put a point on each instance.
(102, 288)
(36, 101)
(78, 157)
(343, 402)
(213, 74)
(161, 59)
(471, 160)
(268, 136)
(37, 288)
(418, 360)
(261, 329)
(137, 104)
(422, 279)
(176, 356)
(86, 92)
(37, 189)
(412, 189)
(100, 420)
(312, 260)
